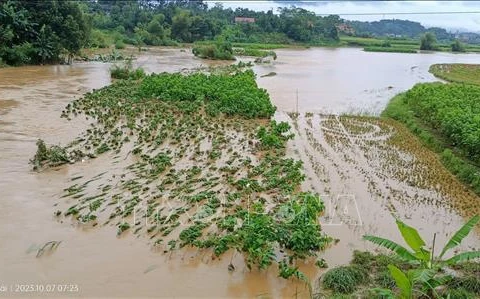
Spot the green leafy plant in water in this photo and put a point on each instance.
(274, 135)
(126, 71)
(49, 156)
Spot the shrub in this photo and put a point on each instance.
(217, 51)
(344, 279)
(126, 71)
(119, 44)
(457, 46)
(99, 39)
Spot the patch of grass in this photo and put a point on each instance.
(389, 49)
(254, 52)
(344, 279)
(461, 73)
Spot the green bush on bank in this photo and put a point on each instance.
(216, 51)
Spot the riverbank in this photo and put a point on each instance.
(460, 73)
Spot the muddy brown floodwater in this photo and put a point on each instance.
(365, 168)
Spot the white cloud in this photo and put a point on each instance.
(469, 22)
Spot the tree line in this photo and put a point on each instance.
(51, 31)
(34, 32)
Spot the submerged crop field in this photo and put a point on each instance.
(195, 161)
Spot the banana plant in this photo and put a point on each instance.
(419, 254)
(427, 272)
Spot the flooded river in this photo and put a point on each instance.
(357, 183)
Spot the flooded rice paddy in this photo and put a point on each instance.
(365, 169)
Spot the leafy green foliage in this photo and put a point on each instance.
(274, 136)
(248, 202)
(237, 94)
(457, 46)
(450, 117)
(39, 31)
(191, 233)
(126, 71)
(285, 271)
(428, 41)
(216, 51)
(453, 109)
(49, 156)
(417, 283)
(427, 274)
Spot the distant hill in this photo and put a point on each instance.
(397, 28)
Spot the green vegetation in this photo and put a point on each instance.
(427, 276)
(345, 279)
(49, 156)
(445, 118)
(168, 22)
(389, 49)
(428, 41)
(208, 170)
(34, 32)
(452, 109)
(51, 31)
(409, 273)
(254, 52)
(217, 51)
(460, 73)
(457, 46)
(231, 95)
(126, 71)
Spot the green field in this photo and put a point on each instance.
(462, 73)
(389, 49)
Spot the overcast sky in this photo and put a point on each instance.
(470, 22)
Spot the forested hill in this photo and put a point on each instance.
(394, 27)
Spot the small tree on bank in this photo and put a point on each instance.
(457, 46)
(428, 41)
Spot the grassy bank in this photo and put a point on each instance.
(368, 275)
(461, 73)
(453, 156)
(389, 49)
